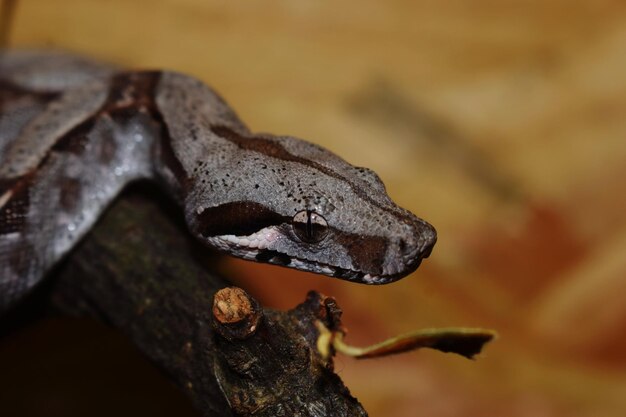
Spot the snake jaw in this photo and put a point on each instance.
(260, 247)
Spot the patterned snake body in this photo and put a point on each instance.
(74, 133)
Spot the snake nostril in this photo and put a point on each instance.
(402, 245)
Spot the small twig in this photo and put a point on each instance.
(462, 341)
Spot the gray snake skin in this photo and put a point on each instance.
(74, 133)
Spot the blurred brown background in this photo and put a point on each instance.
(503, 123)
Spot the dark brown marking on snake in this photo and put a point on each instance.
(268, 147)
(131, 90)
(164, 146)
(74, 141)
(239, 218)
(366, 251)
(167, 155)
(131, 93)
(134, 92)
(259, 144)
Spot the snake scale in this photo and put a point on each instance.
(74, 132)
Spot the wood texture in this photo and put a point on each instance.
(137, 272)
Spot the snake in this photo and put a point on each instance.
(74, 132)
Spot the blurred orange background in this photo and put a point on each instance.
(501, 123)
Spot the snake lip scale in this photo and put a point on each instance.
(74, 132)
(264, 246)
(231, 243)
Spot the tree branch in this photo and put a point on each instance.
(139, 272)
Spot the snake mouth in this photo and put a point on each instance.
(356, 276)
(306, 265)
(260, 247)
(249, 249)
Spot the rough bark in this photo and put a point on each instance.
(139, 271)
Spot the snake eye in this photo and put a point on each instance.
(309, 226)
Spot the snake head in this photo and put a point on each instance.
(285, 201)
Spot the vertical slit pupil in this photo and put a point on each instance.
(309, 227)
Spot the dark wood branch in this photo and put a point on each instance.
(140, 272)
